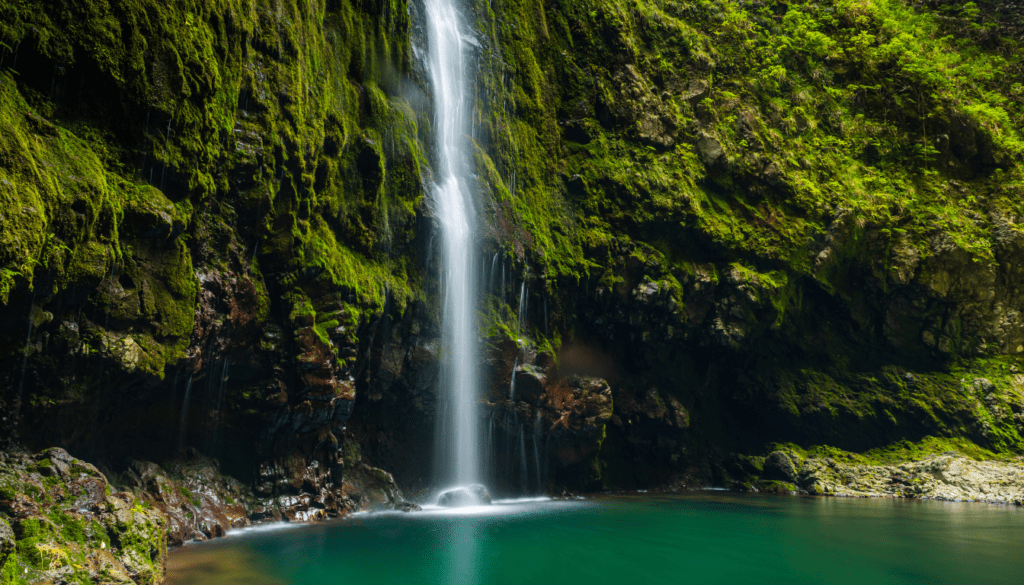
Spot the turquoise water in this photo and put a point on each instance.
(706, 537)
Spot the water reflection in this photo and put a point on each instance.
(458, 545)
(198, 565)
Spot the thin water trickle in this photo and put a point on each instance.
(174, 394)
(536, 451)
(512, 386)
(494, 268)
(184, 414)
(24, 359)
(519, 312)
(458, 447)
(546, 315)
(523, 479)
(220, 403)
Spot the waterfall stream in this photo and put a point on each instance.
(457, 448)
(184, 414)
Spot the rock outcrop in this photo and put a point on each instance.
(61, 521)
(948, 476)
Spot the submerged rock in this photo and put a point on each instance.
(474, 495)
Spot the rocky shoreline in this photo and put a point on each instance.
(63, 521)
(948, 476)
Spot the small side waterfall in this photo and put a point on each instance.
(458, 449)
(184, 414)
(24, 358)
(523, 479)
(521, 314)
(512, 385)
(220, 406)
(536, 451)
(494, 269)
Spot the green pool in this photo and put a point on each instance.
(705, 537)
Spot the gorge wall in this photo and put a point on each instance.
(715, 231)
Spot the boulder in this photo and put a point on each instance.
(474, 495)
(782, 465)
(710, 150)
(529, 383)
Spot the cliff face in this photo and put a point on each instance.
(762, 223)
(207, 207)
(711, 228)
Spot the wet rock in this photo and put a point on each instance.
(773, 175)
(710, 150)
(639, 106)
(782, 465)
(905, 260)
(949, 476)
(376, 488)
(680, 416)
(646, 292)
(474, 495)
(529, 383)
(86, 531)
(984, 385)
(408, 507)
(695, 91)
(545, 360)
(7, 541)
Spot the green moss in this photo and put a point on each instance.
(898, 414)
(11, 571)
(810, 126)
(186, 493)
(278, 139)
(778, 487)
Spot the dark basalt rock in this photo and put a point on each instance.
(474, 495)
(408, 507)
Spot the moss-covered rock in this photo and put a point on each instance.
(69, 526)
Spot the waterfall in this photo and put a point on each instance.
(457, 436)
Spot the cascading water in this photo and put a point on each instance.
(457, 430)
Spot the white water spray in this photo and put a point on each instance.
(457, 430)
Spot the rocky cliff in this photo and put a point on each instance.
(714, 231)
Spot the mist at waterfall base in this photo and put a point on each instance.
(702, 537)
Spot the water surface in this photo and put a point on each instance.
(707, 537)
